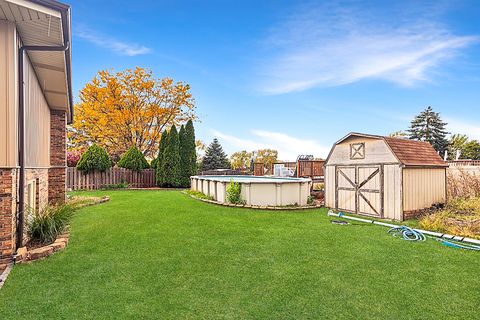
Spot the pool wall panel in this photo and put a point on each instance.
(264, 193)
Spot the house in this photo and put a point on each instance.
(384, 177)
(35, 107)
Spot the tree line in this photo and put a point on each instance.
(175, 163)
(428, 126)
(177, 157)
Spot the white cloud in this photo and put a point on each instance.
(463, 127)
(288, 147)
(330, 46)
(120, 47)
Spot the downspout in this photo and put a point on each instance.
(21, 116)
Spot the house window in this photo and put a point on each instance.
(357, 151)
(31, 195)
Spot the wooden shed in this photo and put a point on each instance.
(384, 177)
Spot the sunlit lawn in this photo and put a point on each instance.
(163, 255)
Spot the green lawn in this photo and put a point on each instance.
(163, 255)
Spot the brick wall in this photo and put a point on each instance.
(7, 214)
(41, 177)
(58, 157)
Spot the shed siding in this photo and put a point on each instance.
(376, 151)
(330, 186)
(423, 187)
(392, 192)
(8, 94)
(37, 121)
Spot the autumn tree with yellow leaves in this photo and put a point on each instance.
(131, 108)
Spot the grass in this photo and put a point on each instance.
(164, 255)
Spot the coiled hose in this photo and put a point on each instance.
(407, 233)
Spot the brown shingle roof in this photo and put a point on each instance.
(415, 153)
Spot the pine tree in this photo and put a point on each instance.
(159, 160)
(428, 126)
(188, 153)
(170, 165)
(215, 158)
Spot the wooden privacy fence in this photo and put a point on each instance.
(77, 180)
(303, 169)
(310, 168)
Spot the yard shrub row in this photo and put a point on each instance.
(177, 157)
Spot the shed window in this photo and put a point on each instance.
(357, 151)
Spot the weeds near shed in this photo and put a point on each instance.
(460, 217)
(462, 184)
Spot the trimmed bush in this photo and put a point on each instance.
(95, 158)
(234, 193)
(133, 159)
(45, 225)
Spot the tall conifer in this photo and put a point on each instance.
(215, 157)
(170, 166)
(428, 126)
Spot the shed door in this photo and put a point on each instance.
(360, 189)
(346, 189)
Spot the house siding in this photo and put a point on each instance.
(45, 143)
(8, 95)
(37, 120)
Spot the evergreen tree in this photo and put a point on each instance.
(158, 161)
(215, 158)
(170, 165)
(428, 126)
(133, 159)
(182, 138)
(188, 153)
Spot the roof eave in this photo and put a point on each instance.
(65, 12)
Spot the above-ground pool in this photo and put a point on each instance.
(257, 191)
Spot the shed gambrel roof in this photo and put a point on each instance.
(408, 152)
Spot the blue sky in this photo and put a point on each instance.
(294, 75)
